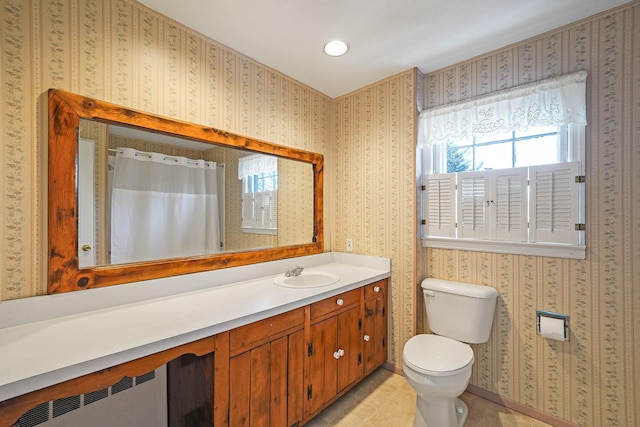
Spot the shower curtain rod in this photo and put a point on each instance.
(115, 150)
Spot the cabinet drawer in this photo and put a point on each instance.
(257, 332)
(374, 289)
(335, 303)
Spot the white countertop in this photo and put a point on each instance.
(49, 339)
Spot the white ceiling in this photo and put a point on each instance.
(385, 36)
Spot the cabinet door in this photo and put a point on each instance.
(335, 359)
(374, 332)
(323, 369)
(190, 390)
(264, 380)
(349, 342)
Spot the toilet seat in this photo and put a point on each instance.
(436, 355)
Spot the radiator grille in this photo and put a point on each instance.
(122, 385)
(35, 416)
(66, 404)
(48, 410)
(94, 396)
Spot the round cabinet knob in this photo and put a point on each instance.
(367, 338)
(86, 248)
(336, 355)
(376, 289)
(340, 301)
(340, 352)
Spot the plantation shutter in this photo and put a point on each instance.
(259, 208)
(439, 205)
(262, 212)
(248, 210)
(472, 201)
(554, 209)
(261, 203)
(271, 211)
(510, 205)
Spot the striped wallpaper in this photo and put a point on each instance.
(119, 51)
(592, 380)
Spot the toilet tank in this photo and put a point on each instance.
(460, 311)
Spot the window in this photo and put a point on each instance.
(536, 146)
(259, 175)
(503, 173)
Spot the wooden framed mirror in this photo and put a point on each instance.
(79, 175)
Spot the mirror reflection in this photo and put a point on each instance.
(146, 196)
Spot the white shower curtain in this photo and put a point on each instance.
(162, 207)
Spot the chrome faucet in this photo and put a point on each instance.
(293, 271)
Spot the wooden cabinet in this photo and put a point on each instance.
(265, 372)
(334, 353)
(374, 331)
(280, 371)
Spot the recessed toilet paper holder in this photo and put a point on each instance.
(552, 325)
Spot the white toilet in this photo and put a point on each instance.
(438, 367)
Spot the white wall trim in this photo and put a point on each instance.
(516, 406)
(507, 403)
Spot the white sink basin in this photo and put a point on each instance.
(308, 279)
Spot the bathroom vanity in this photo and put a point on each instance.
(242, 345)
(239, 348)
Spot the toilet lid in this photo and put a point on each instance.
(436, 355)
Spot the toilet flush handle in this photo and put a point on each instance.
(430, 294)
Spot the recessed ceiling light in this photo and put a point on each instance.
(336, 48)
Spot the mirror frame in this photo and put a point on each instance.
(64, 114)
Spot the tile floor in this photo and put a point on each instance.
(384, 399)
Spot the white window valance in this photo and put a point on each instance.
(256, 164)
(554, 101)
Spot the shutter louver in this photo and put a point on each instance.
(510, 205)
(554, 205)
(273, 209)
(262, 209)
(248, 211)
(439, 200)
(472, 198)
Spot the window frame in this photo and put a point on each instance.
(560, 132)
(252, 202)
(449, 239)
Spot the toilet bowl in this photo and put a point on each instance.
(438, 368)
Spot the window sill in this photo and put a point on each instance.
(251, 230)
(516, 248)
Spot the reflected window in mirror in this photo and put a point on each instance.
(259, 176)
